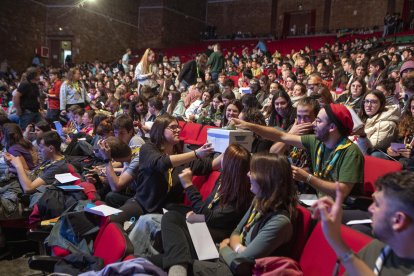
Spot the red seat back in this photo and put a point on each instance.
(190, 131)
(318, 258)
(202, 137)
(182, 124)
(112, 243)
(303, 226)
(208, 186)
(204, 184)
(376, 167)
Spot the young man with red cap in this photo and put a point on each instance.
(334, 157)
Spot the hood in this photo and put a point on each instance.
(392, 114)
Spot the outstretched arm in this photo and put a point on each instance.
(331, 216)
(270, 133)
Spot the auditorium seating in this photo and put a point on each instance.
(318, 258)
(376, 167)
(111, 235)
(201, 138)
(303, 227)
(190, 131)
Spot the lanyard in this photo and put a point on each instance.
(170, 182)
(253, 218)
(379, 263)
(216, 197)
(333, 157)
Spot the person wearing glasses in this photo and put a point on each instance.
(160, 164)
(380, 124)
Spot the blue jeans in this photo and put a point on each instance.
(143, 234)
(29, 117)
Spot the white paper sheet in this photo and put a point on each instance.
(70, 188)
(202, 241)
(65, 177)
(359, 221)
(308, 199)
(103, 210)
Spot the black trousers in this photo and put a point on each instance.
(131, 209)
(176, 241)
(179, 249)
(115, 199)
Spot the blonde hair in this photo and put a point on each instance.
(146, 66)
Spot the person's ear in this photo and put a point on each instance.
(332, 127)
(51, 148)
(400, 221)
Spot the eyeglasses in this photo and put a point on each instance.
(174, 127)
(373, 102)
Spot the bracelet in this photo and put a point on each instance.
(196, 155)
(237, 248)
(346, 257)
(309, 178)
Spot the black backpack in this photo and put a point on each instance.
(55, 201)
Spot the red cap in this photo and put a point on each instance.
(341, 117)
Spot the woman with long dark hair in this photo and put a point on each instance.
(283, 113)
(380, 123)
(230, 197)
(18, 146)
(138, 109)
(175, 104)
(265, 230)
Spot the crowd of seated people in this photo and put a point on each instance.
(121, 132)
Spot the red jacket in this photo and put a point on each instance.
(54, 102)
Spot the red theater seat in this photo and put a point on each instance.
(318, 258)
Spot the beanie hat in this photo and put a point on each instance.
(341, 117)
(409, 64)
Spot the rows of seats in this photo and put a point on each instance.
(310, 247)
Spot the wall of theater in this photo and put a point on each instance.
(105, 28)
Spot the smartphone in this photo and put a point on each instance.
(59, 128)
(397, 146)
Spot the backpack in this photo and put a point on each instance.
(55, 201)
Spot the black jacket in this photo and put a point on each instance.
(152, 190)
(189, 73)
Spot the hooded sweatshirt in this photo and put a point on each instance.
(380, 130)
